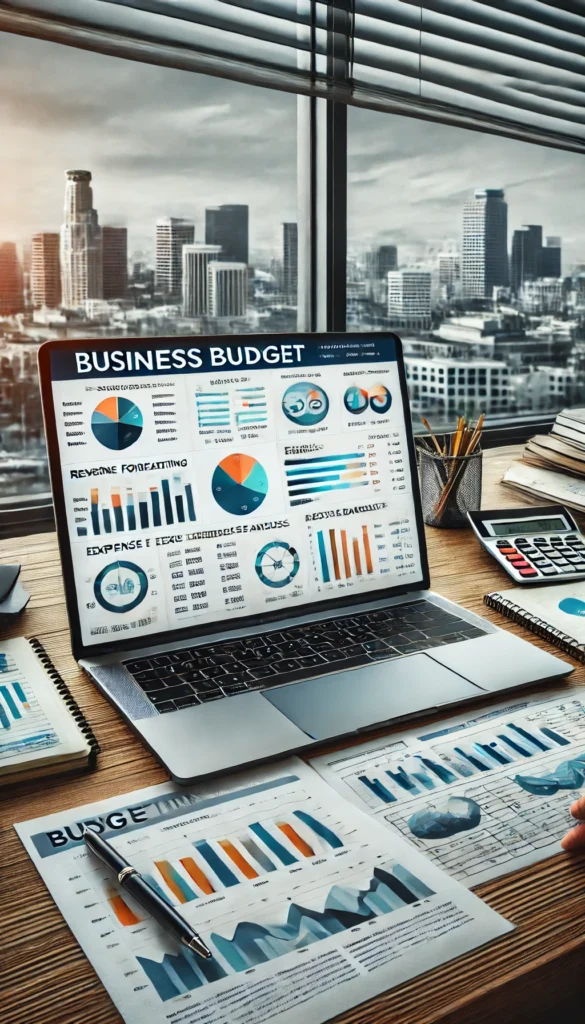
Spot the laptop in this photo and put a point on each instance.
(243, 548)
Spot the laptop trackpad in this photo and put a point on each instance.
(341, 703)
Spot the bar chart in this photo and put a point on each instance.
(210, 865)
(308, 478)
(24, 727)
(125, 508)
(344, 554)
(251, 408)
(444, 764)
(213, 410)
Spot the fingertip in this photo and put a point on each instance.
(574, 840)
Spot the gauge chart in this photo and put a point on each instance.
(277, 563)
(116, 423)
(239, 484)
(120, 586)
(305, 403)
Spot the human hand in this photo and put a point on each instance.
(575, 839)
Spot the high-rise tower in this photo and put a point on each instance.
(484, 250)
(227, 288)
(81, 243)
(172, 233)
(11, 283)
(45, 270)
(196, 259)
(227, 226)
(115, 262)
(525, 264)
(290, 262)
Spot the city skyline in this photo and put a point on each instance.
(167, 143)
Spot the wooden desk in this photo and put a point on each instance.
(524, 977)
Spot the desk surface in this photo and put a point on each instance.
(46, 978)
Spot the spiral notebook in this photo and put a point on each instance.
(555, 613)
(42, 730)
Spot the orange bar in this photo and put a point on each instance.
(334, 554)
(295, 838)
(122, 911)
(356, 557)
(367, 550)
(163, 867)
(197, 875)
(345, 555)
(116, 499)
(94, 495)
(238, 859)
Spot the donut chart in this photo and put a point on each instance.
(239, 484)
(120, 586)
(355, 400)
(380, 399)
(305, 403)
(116, 423)
(277, 563)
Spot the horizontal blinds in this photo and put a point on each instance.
(516, 67)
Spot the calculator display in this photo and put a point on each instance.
(526, 527)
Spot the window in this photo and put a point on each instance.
(186, 239)
(493, 232)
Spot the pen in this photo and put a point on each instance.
(131, 880)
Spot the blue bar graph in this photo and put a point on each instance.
(4, 719)
(319, 829)
(107, 520)
(222, 871)
(20, 694)
(472, 760)
(155, 498)
(528, 736)
(143, 510)
(554, 736)
(130, 513)
(439, 770)
(401, 778)
(167, 502)
(213, 409)
(10, 702)
(259, 856)
(190, 503)
(273, 845)
(323, 557)
(379, 790)
(490, 750)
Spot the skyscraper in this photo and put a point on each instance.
(526, 255)
(409, 297)
(484, 252)
(550, 257)
(290, 262)
(115, 262)
(45, 270)
(172, 233)
(227, 288)
(11, 284)
(449, 267)
(227, 226)
(196, 259)
(81, 243)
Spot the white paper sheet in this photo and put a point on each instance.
(334, 909)
(446, 790)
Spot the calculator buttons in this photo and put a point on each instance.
(528, 572)
(508, 552)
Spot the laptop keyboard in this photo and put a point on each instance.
(183, 679)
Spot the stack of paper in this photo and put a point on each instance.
(561, 451)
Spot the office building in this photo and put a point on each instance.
(196, 259)
(11, 282)
(227, 226)
(484, 250)
(526, 259)
(454, 386)
(409, 298)
(290, 262)
(115, 262)
(227, 288)
(45, 270)
(172, 233)
(81, 243)
(449, 273)
(550, 257)
(543, 295)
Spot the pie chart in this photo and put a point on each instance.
(116, 423)
(120, 586)
(380, 399)
(239, 484)
(355, 400)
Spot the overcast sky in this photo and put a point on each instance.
(170, 143)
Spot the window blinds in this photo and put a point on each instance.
(516, 67)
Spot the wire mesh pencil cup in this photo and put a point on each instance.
(450, 487)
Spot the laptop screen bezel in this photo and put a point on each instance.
(81, 650)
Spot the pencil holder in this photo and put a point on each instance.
(450, 487)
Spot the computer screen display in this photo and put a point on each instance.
(208, 481)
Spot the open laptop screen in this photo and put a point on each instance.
(210, 481)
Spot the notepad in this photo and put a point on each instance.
(42, 730)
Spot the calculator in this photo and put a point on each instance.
(533, 545)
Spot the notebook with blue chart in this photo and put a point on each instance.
(556, 614)
(42, 729)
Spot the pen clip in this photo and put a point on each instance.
(129, 870)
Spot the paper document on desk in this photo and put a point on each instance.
(545, 483)
(479, 796)
(309, 906)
